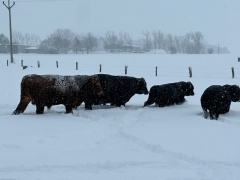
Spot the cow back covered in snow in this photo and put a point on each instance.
(169, 94)
(48, 90)
(217, 99)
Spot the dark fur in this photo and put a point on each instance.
(49, 90)
(118, 90)
(169, 94)
(217, 99)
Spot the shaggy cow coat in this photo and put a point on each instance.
(169, 94)
(118, 90)
(48, 90)
(217, 99)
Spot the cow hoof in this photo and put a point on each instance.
(39, 112)
(15, 112)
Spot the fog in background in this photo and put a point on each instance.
(217, 20)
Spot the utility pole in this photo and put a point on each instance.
(10, 27)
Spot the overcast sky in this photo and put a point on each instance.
(217, 20)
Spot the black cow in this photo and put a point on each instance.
(117, 90)
(217, 99)
(49, 90)
(169, 94)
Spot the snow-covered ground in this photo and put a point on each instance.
(130, 143)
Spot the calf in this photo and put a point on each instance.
(48, 90)
(169, 94)
(217, 99)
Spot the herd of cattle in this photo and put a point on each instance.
(101, 89)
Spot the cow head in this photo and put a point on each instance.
(142, 86)
(234, 92)
(96, 85)
(189, 89)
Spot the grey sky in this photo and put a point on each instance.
(218, 20)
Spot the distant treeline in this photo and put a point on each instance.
(63, 41)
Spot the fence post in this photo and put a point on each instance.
(7, 62)
(190, 71)
(38, 64)
(76, 65)
(22, 63)
(100, 68)
(126, 67)
(57, 64)
(233, 74)
(156, 70)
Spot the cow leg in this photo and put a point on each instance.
(217, 116)
(77, 103)
(39, 108)
(68, 108)
(49, 107)
(160, 105)
(22, 105)
(118, 104)
(205, 113)
(181, 101)
(88, 105)
(213, 114)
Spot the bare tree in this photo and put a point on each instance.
(18, 38)
(58, 42)
(120, 40)
(198, 42)
(155, 39)
(169, 42)
(147, 41)
(111, 38)
(32, 39)
(90, 42)
(128, 40)
(111, 42)
(26, 39)
(77, 45)
(62, 39)
(3, 43)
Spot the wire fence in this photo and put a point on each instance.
(151, 70)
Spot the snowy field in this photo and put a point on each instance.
(126, 143)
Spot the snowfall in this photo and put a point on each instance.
(120, 143)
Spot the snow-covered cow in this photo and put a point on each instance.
(49, 90)
(169, 94)
(217, 99)
(118, 90)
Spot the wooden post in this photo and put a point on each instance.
(7, 62)
(22, 63)
(233, 74)
(156, 70)
(57, 64)
(76, 65)
(238, 59)
(126, 68)
(38, 64)
(190, 71)
(100, 68)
